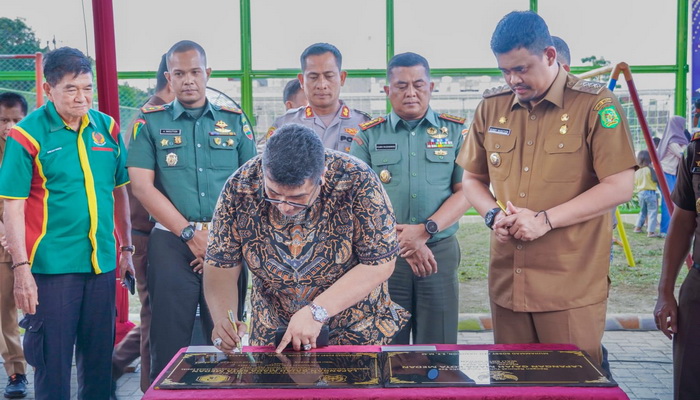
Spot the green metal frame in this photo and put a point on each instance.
(247, 74)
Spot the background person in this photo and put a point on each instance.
(645, 185)
(179, 160)
(558, 151)
(426, 193)
(316, 228)
(293, 95)
(681, 321)
(13, 107)
(670, 151)
(61, 231)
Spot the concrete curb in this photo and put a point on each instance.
(613, 322)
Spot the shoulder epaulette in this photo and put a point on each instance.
(362, 113)
(151, 109)
(452, 118)
(366, 125)
(589, 87)
(696, 136)
(232, 109)
(497, 91)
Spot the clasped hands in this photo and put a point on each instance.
(412, 248)
(519, 223)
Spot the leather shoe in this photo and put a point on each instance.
(16, 387)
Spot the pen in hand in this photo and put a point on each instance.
(235, 329)
(502, 207)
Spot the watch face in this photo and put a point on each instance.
(187, 233)
(431, 227)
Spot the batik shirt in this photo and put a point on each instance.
(295, 259)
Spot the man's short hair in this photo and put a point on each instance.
(407, 60)
(183, 46)
(321, 48)
(290, 90)
(563, 52)
(161, 81)
(293, 155)
(521, 29)
(64, 61)
(11, 100)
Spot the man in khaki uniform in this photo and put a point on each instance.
(556, 149)
(322, 77)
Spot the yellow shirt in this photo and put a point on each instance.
(643, 181)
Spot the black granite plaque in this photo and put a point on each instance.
(492, 368)
(301, 370)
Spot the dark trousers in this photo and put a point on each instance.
(433, 301)
(175, 291)
(686, 343)
(74, 310)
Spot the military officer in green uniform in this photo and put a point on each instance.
(181, 156)
(413, 150)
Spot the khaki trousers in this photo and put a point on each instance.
(10, 347)
(583, 326)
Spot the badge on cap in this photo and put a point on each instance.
(563, 129)
(495, 159)
(171, 159)
(385, 176)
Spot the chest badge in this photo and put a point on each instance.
(440, 153)
(164, 142)
(565, 117)
(171, 159)
(495, 159)
(217, 141)
(385, 176)
(98, 138)
(502, 120)
(221, 127)
(563, 129)
(433, 132)
(229, 142)
(177, 139)
(697, 205)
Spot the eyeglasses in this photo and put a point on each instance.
(290, 203)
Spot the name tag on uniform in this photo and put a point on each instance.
(499, 131)
(385, 146)
(695, 170)
(170, 131)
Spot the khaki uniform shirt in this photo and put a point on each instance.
(686, 194)
(336, 136)
(416, 166)
(192, 158)
(540, 158)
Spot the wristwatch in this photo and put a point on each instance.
(187, 233)
(490, 217)
(131, 248)
(319, 313)
(431, 227)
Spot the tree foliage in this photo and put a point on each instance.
(18, 38)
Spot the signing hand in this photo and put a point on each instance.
(229, 339)
(303, 329)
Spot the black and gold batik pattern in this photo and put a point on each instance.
(294, 259)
